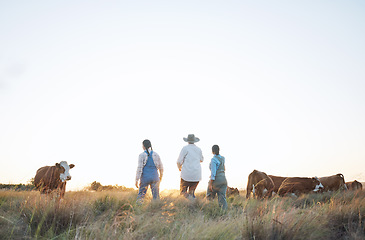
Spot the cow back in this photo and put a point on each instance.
(47, 177)
(354, 185)
(333, 183)
(297, 185)
(277, 182)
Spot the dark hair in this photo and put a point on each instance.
(147, 144)
(215, 149)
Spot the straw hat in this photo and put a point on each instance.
(191, 139)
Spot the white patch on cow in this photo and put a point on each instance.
(253, 188)
(66, 174)
(264, 191)
(319, 186)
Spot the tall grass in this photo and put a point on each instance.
(115, 215)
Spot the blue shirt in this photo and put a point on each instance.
(213, 166)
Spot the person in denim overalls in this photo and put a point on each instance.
(218, 182)
(149, 163)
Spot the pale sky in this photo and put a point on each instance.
(278, 85)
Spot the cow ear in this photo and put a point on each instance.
(58, 165)
(72, 165)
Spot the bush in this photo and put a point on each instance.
(96, 186)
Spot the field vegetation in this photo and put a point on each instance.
(115, 215)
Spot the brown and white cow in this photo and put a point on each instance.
(232, 191)
(299, 185)
(53, 178)
(333, 183)
(277, 182)
(354, 185)
(259, 184)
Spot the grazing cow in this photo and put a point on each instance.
(333, 183)
(232, 191)
(299, 185)
(354, 185)
(259, 184)
(277, 182)
(50, 178)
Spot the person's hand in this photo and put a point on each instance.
(137, 184)
(210, 185)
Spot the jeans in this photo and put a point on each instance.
(155, 189)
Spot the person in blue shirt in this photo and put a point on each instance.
(218, 183)
(149, 172)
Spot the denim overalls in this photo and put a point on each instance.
(150, 178)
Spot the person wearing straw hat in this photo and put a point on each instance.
(189, 164)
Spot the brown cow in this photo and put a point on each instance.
(232, 191)
(354, 185)
(333, 183)
(277, 182)
(261, 188)
(265, 184)
(50, 178)
(299, 185)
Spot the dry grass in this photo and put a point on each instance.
(115, 215)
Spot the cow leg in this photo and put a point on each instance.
(269, 193)
(62, 190)
(248, 190)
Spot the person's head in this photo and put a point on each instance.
(146, 145)
(215, 149)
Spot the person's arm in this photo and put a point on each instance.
(159, 165)
(213, 172)
(201, 156)
(180, 160)
(139, 169)
(210, 185)
(213, 169)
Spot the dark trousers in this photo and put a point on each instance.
(188, 188)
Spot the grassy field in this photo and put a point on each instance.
(115, 215)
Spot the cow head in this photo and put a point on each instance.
(342, 181)
(318, 185)
(232, 191)
(65, 170)
(261, 189)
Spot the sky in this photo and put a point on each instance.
(278, 85)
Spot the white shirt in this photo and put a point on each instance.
(189, 163)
